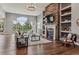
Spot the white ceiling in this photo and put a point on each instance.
(21, 8)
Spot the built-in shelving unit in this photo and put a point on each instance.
(65, 19)
(66, 14)
(44, 27)
(66, 8)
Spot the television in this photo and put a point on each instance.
(50, 18)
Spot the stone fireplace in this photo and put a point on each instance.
(51, 32)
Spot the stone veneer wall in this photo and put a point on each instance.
(54, 8)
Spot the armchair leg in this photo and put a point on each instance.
(65, 44)
(74, 45)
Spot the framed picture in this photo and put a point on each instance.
(51, 19)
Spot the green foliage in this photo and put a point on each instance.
(23, 28)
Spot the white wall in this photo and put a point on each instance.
(2, 12)
(39, 23)
(9, 21)
(2, 16)
(75, 16)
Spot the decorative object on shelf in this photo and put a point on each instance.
(69, 28)
(77, 22)
(65, 29)
(66, 20)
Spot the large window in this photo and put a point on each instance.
(21, 24)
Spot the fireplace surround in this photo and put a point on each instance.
(51, 30)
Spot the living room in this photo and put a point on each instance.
(39, 26)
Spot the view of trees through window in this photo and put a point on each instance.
(21, 24)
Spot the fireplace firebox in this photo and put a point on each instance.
(51, 32)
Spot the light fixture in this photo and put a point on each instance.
(31, 7)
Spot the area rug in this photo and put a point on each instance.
(42, 41)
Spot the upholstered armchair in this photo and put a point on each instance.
(70, 39)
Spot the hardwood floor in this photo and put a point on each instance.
(8, 47)
(7, 44)
(49, 49)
